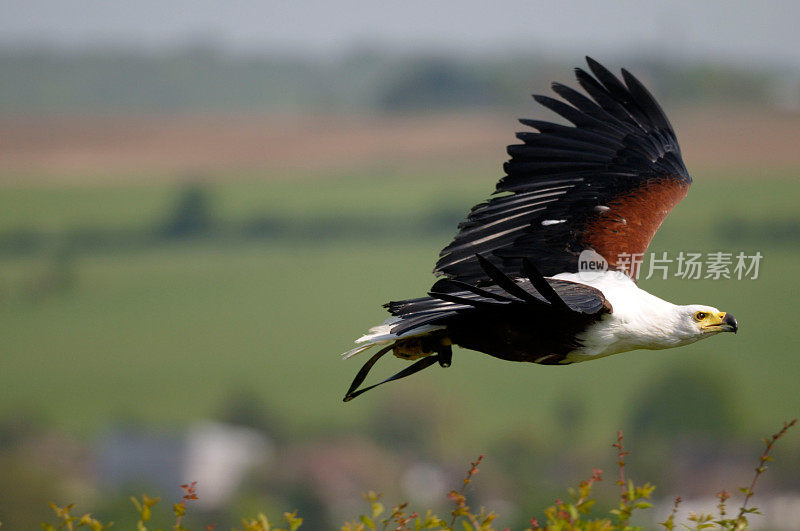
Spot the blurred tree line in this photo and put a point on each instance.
(192, 215)
(202, 77)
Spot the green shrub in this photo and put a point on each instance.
(576, 514)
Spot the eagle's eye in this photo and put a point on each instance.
(699, 316)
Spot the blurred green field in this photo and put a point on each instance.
(164, 334)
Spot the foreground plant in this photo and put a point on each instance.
(572, 515)
(69, 522)
(721, 521)
(577, 515)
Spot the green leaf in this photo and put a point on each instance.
(367, 521)
(377, 509)
(179, 509)
(136, 504)
(573, 512)
(294, 521)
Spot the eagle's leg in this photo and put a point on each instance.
(445, 353)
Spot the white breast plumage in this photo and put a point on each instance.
(639, 320)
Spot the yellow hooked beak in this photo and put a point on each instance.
(719, 322)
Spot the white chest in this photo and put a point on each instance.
(639, 320)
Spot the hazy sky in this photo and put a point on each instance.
(739, 31)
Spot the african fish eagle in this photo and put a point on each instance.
(512, 285)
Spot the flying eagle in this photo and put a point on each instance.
(513, 287)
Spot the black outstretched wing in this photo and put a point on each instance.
(529, 294)
(606, 183)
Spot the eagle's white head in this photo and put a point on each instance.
(666, 326)
(695, 321)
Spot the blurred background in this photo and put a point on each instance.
(203, 203)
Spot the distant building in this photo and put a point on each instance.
(217, 456)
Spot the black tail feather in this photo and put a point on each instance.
(469, 301)
(408, 324)
(469, 287)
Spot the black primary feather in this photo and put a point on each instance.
(620, 143)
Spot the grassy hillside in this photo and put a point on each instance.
(165, 332)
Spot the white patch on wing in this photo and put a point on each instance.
(547, 222)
